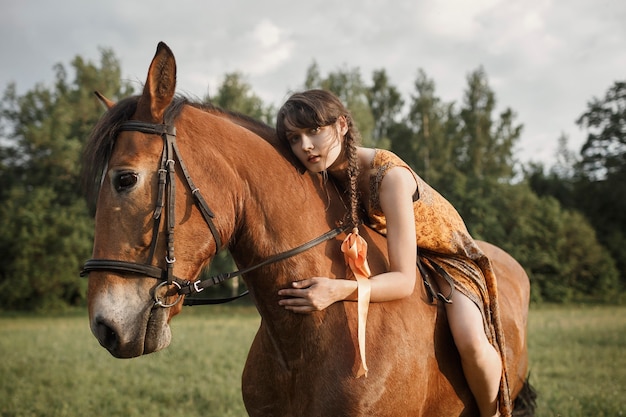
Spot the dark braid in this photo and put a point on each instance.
(317, 108)
(351, 142)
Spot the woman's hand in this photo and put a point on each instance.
(315, 294)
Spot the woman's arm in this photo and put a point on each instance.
(396, 200)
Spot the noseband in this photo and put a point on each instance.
(166, 198)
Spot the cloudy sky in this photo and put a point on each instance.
(545, 59)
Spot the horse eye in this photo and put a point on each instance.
(125, 181)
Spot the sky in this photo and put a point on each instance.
(544, 59)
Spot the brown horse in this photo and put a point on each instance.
(247, 193)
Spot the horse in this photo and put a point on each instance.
(174, 182)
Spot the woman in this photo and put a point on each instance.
(411, 214)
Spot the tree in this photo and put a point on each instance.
(385, 103)
(602, 183)
(313, 78)
(557, 181)
(43, 242)
(593, 183)
(487, 146)
(604, 152)
(46, 230)
(431, 149)
(235, 94)
(556, 246)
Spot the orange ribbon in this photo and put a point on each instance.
(354, 249)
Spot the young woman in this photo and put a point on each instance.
(411, 214)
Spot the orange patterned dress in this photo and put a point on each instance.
(445, 244)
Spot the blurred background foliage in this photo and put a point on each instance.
(566, 223)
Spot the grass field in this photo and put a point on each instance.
(578, 360)
(55, 367)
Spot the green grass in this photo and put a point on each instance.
(578, 360)
(55, 367)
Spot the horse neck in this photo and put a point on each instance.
(281, 210)
(269, 206)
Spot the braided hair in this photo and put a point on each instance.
(319, 108)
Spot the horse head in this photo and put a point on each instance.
(136, 218)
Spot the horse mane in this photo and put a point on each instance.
(100, 143)
(99, 147)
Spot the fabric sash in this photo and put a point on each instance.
(354, 249)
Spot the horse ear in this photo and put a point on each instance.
(160, 86)
(108, 103)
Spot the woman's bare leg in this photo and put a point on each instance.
(481, 362)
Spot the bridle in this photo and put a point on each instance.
(166, 199)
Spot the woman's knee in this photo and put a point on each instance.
(474, 346)
(466, 325)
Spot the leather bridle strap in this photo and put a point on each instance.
(188, 287)
(168, 132)
(122, 266)
(206, 212)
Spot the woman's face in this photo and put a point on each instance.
(318, 148)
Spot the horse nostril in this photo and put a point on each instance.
(105, 334)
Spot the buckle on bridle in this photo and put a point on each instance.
(196, 287)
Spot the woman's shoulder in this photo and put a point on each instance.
(374, 159)
(387, 159)
(366, 156)
(382, 163)
(384, 160)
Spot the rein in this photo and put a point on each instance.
(166, 198)
(201, 285)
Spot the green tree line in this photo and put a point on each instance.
(565, 224)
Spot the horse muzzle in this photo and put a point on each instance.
(128, 331)
(122, 342)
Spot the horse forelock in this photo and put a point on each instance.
(99, 146)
